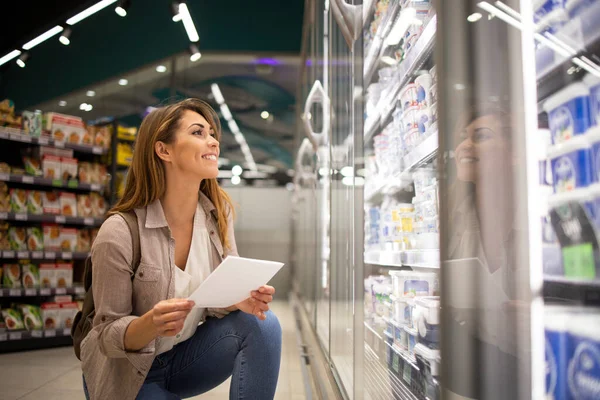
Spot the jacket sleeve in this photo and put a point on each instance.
(112, 255)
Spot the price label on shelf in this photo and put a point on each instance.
(57, 182)
(88, 221)
(14, 292)
(8, 254)
(67, 332)
(73, 184)
(50, 255)
(60, 291)
(60, 145)
(60, 219)
(3, 135)
(79, 290)
(21, 217)
(95, 187)
(37, 334)
(23, 254)
(67, 255)
(45, 292)
(4, 177)
(406, 374)
(30, 292)
(50, 333)
(26, 138)
(36, 255)
(3, 337)
(43, 140)
(3, 215)
(97, 150)
(15, 335)
(27, 179)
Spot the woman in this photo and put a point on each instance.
(146, 341)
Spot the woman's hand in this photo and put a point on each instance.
(168, 316)
(258, 303)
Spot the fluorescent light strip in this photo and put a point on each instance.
(89, 11)
(226, 113)
(233, 127)
(217, 93)
(590, 63)
(585, 66)
(44, 36)
(190, 28)
(559, 42)
(500, 14)
(509, 10)
(9, 56)
(547, 42)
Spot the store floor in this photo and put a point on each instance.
(55, 374)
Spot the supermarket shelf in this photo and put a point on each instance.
(584, 28)
(17, 135)
(368, 11)
(372, 53)
(408, 258)
(371, 127)
(52, 183)
(423, 153)
(33, 292)
(58, 219)
(30, 340)
(560, 288)
(388, 186)
(43, 255)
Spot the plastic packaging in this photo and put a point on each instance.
(411, 283)
(412, 340)
(593, 84)
(428, 320)
(423, 84)
(571, 164)
(593, 137)
(569, 112)
(408, 96)
(583, 368)
(423, 178)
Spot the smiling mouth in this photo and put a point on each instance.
(210, 157)
(468, 160)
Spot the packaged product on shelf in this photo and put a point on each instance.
(68, 204)
(433, 73)
(593, 84)
(125, 133)
(12, 319)
(4, 198)
(556, 322)
(68, 239)
(434, 118)
(51, 315)
(124, 154)
(51, 167)
(7, 106)
(568, 112)
(68, 312)
(84, 205)
(101, 174)
(408, 96)
(4, 168)
(32, 317)
(98, 205)
(4, 241)
(427, 321)
(412, 340)
(17, 171)
(584, 356)
(32, 166)
(68, 168)
(65, 128)
(571, 164)
(550, 16)
(423, 85)
(35, 239)
(64, 274)
(51, 203)
(35, 202)
(84, 242)
(85, 172)
(30, 276)
(18, 200)
(52, 151)
(401, 310)
(17, 237)
(11, 277)
(423, 120)
(423, 178)
(51, 237)
(429, 361)
(102, 135)
(593, 137)
(411, 283)
(48, 275)
(32, 123)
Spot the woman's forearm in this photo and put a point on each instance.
(140, 332)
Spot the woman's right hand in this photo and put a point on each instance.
(168, 316)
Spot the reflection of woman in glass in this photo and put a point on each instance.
(481, 246)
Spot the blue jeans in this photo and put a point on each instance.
(238, 344)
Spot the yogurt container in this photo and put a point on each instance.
(411, 139)
(408, 96)
(412, 284)
(433, 73)
(423, 84)
(428, 362)
(593, 137)
(409, 119)
(593, 84)
(434, 113)
(428, 321)
(577, 7)
(583, 368)
(401, 310)
(569, 112)
(433, 94)
(423, 119)
(556, 348)
(412, 340)
(571, 164)
(550, 16)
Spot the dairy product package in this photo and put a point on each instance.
(577, 7)
(423, 85)
(401, 310)
(411, 284)
(427, 310)
(569, 112)
(429, 361)
(408, 96)
(593, 84)
(556, 320)
(583, 365)
(571, 164)
(550, 15)
(412, 340)
(593, 138)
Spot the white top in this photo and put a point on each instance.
(565, 95)
(197, 269)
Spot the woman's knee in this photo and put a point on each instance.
(268, 330)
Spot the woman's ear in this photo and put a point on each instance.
(162, 151)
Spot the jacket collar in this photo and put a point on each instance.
(155, 215)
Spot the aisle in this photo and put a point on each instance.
(54, 374)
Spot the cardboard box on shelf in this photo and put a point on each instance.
(102, 135)
(18, 200)
(51, 166)
(35, 202)
(98, 205)
(32, 123)
(84, 242)
(12, 319)
(65, 128)
(84, 205)
(85, 172)
(11, 276)
(32, 316)
(68, 168)
(51, 203)
(17, 237)
(68, 204)
(125, 133)
(68, 239)
(68, 312)
(51, 315)
(30, 275)
(64, 274)
(35, 239)
(48, 275)
(52, 237)
(33, 166)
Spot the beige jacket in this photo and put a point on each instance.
(110, 371)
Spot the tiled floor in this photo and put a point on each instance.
(55, 374)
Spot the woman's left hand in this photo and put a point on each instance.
(258, 303)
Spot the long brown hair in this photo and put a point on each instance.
(146, 178)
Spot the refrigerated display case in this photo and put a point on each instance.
(447, 238)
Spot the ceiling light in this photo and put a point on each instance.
(264, 115)
(123, 82)
(9, 56)
(459, 86)
(62, 103)
(22, 59)
(216, 91)
(188, 23)
(89, 11)
(65, 37)
(161, 69)
(83, 106)
(233, 127)
(226, 112)
(175, 11)
(89, 107)
(237, 170)
(195, 53)
(347, 171)
(474, 17)
(122, 8)
(44, 36)
(236, 180)
(90, 93)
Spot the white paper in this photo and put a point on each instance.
(233, 281)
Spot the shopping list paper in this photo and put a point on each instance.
(233, 281)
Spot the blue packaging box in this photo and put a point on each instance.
(571, 165)
(569, 112)
(593, 84)
(583, 368)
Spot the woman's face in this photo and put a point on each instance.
(482, 151)
(195, 150)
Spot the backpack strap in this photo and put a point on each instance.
(132, 222)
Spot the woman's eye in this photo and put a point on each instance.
(197, 133)
(483, 134)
